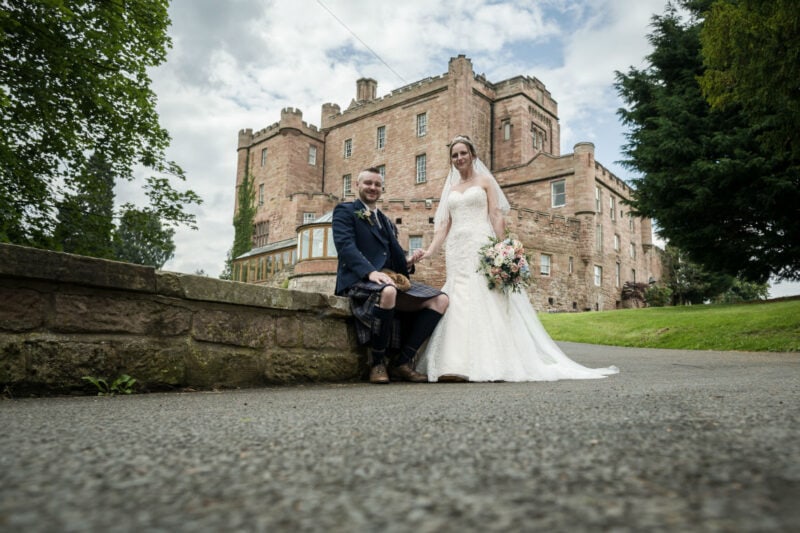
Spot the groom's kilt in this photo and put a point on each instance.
(364, 297)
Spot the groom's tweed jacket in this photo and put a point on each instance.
(363, 247)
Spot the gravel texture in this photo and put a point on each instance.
(678, 441)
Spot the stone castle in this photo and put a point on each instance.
(567, 209)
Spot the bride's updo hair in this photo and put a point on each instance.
(463, 139)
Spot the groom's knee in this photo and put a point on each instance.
(388, 297)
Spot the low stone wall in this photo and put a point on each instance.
(63, 317)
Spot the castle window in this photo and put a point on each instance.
(347, 185)
(422, 168)
(616, 242)
(380, 141)
(348, 148)
(538, 137)
(304, 245)
(260, 234)
(558, 193)
(633, 275)
(633, 251)
(309, 217)
(598, 238)
(598, 204)
(312, 243)
(630, 220)
(617, 275)
(544, 264)
(312, 155)
(261, 194)
(612, 207)
(318, 242)
(331, 249)
(598, 275)
(414, 243)
(422, 124)
(263, 156)
(506, 130)
(570, 265)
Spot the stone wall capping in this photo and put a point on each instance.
(34, 263)
(201, 288)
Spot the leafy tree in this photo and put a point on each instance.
(85, 218)
(743, 291)
(73, 81)
(142, 239)
(751, 50)
(704, 177)
(690, 283)
(227, 267)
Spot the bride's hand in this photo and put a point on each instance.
(415, 256)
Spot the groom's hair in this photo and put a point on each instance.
(370, 170)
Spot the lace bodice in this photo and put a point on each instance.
(469, 229)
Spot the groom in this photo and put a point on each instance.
(366, 244)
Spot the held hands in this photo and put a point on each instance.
(424, 254)
(415, 257)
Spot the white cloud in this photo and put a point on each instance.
(236, 67)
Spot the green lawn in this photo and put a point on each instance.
(768, 326)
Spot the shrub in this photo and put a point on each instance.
(657, 296)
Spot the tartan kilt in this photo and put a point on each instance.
(364, 297)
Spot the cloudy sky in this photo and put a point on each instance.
(235, 64)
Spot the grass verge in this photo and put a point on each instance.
(758, 327)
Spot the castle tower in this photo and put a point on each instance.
(284, 162)
(460, 75)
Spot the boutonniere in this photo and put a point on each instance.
(365, 214)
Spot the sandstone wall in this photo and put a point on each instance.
(63, 317)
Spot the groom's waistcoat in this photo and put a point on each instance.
(363, 247)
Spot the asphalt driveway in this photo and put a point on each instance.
(678, 441)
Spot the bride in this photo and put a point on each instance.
(485, 335)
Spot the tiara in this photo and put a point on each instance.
(461, 138)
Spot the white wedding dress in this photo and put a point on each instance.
(486, 335)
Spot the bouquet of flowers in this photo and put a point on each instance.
(504, 264)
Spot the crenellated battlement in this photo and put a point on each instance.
(416, 206)
(544, 218)
(527, 82)
(312, 195)
(333, 115)
(612, 180)
(290, 118)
